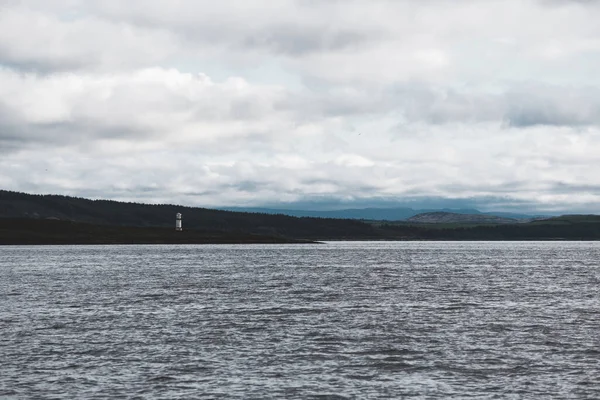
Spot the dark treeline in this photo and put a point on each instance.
(105, 212)
(588, 229)
(125, 218)
(43, 231)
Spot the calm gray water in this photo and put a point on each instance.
(340, 320)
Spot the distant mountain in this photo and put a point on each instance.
(375, 214)
(455, 218)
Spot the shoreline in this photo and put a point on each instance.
(25, 231)
(16, 232)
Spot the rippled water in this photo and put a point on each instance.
(339, 320)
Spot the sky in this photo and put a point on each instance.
(319, 103)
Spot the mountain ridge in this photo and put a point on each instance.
(108, 221)
(456, 218)
(372, 213)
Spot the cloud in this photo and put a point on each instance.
(145, 104)
(520, 105)
(45, 42)
(494, 103)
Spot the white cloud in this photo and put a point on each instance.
(36, 41)
(158, 100)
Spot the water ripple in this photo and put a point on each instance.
(335, 321)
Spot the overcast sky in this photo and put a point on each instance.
(255, 102)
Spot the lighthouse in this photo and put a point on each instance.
(178, 222)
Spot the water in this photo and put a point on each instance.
(340, 320)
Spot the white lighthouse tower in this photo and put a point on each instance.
(178, 222)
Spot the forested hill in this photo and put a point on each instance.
(455, 218)
(378, 214)
(106, 212)
(225, 226)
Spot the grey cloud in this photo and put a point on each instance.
(570, 2)
(333, 103)
(149, 105)
(342, 185)
(47, 42)
(524, 106)
(301, 40)
(41, 65)
(438, 106)
(568, 188)
(9, 125)
(518, 106)
(508, 187)
(482, 203)
(248, 186)
(18, 135)
(550, 105)
(292, 28)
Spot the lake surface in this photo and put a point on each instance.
(338, 320)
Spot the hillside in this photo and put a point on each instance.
(105, 212)
(571, 219)
(538, 230)
(374, 214)
(26, 218)
(43, 231)
(454, 218)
